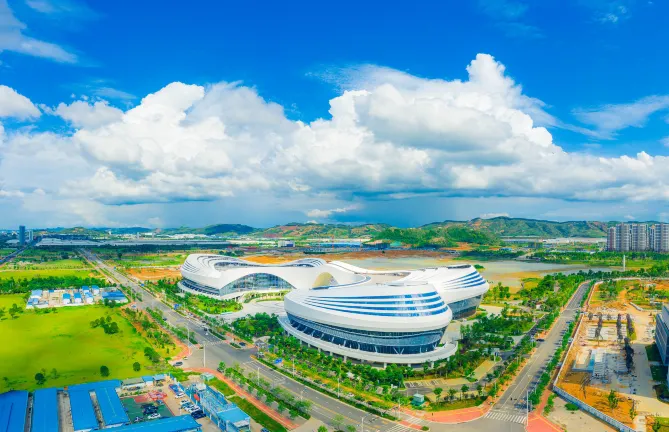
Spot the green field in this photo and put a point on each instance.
(31, 274)
(257, 415)
(70, 263)
(65, 341)
(7, 300)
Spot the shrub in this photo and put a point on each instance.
(571, 407)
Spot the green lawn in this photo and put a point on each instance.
(65, 341)
(7, 300)
(659, 373)
(221, 386)
(55, 264)
(653, 353)
(257, 415)
(455, 404)
(31, 274)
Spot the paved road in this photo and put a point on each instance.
(324, 407)
(511, 406)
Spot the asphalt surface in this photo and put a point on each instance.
(324, 407)
(512, 405)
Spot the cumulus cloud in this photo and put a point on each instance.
(16, 105)
(324, 214)
(389, 136)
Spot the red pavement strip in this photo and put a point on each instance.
(261, 406)
(538, 423)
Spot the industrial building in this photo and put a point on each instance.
(638, 237)
(387, 316)
(86, 402)
(73, 297)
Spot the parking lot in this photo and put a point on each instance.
(136, 409)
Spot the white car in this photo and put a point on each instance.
(154, 416)
(192, 408)
(184, 403)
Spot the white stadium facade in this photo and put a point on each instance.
(376, 316)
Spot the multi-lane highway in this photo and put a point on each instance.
(512, 405)
(324, 407)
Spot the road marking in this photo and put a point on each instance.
(506, 416)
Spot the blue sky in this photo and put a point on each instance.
(353, 113)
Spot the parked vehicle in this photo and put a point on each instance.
(179, 363)
(154, 416)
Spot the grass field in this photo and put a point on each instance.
(664, 424)
(31, 274)
(65, 341)
(257, 415)
(7, 300)
(70, 263)
(455, 404)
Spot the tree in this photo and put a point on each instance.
(338, 421)
(2, 313)
(293, 414)
(221, 367)
(437, 392)
(281, 408)
(613, 400)
(40, 378)
(451, 393)
(54, 373)
(479, 389)
(136, 366)
(104, 371)
(350, 428)
(633, 411)
(463, 389)
(322, 429)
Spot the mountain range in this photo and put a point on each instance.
(476, 230)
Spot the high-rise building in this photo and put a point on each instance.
(638, 237)
(612, 239)
(22, 235)
(30, 236)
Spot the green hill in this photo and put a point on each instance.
(518, 227)
(304, 230)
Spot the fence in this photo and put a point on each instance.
(587, 408)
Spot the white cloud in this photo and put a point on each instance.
(665, 141)
(12, 104)
(609, 119)
(389, 136)
(324, 214)
(13, 38)
(629, 217)
(493, 215)
(82, 114)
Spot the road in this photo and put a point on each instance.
(324, 407)
(511, 406)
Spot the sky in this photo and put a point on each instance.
(163, 114)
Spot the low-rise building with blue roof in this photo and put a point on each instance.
(184, 423)
(83, 413)
(13, 408)
(45, 411)
(113, 413)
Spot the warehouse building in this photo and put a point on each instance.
(13, 408)
(45, 411)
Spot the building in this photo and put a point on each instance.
(286, 243)
(638, 237)
(22, 235)
(30, 236)
(378, 316)
(13, 410)
(662, 333)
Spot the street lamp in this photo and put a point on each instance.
(362, 422)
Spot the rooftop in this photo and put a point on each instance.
(45, 410)
(13, 407)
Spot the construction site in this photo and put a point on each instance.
(607, 366)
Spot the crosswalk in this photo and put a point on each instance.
(505, 416)
(402, 428)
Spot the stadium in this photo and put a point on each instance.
(377, 316)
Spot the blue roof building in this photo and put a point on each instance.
(83, 413)
(66, 296)
(77, 295)
(36, 293)
(184, 423)
(85, 287)
(45, 411)
(13, 407)
(113, 413)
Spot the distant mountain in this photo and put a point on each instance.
(519, 227)
(304, 230)
(218, 229)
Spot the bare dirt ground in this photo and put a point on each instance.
(151, 274)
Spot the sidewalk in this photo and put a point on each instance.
(251, 399)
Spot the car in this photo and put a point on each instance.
(184, 402)
(242, 344)
(154, 416)
(192, 408)
(179, 363)
(197, 414)
(264, 430)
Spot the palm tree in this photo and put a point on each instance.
(463, 389)
(437, 392)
